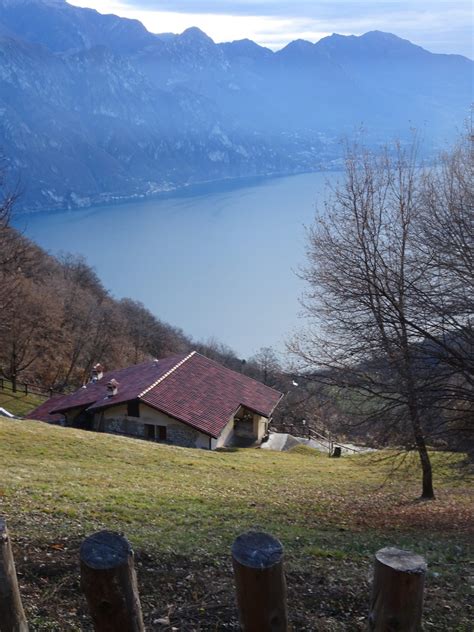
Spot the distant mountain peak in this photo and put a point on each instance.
(246, 42)
(369, 44)
(194, 34)
(299, 44)
(245, 48)
(62, 27)
(299, 49)
(95, 108)
(381, 35)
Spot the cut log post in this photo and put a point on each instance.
(12, 616)
(260, 583)
(397, 593)
(109, 583)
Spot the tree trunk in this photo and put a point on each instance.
(13, 368)
(427, 481)
(427, 485)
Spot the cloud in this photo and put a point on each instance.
(441, 26)
(300, 8)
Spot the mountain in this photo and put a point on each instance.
(94, 107)
(61, 27)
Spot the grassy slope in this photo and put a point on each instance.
(56, 485)
(18, 403)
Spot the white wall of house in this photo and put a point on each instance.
(116, 420)
(261, 426)
(225, 435)
(257, 431)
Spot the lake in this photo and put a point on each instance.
(218, 260)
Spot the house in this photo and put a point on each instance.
(186, 399)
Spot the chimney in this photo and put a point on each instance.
(97, 373)
(112, 388)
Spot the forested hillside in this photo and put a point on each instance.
(58, 320)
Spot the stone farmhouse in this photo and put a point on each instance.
(186, 400)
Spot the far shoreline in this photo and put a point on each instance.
(195, 189)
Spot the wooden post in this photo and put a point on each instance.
(109, 583)
(26, 388)
(50, 392)
(260, 582)
(12, 616)
(397, 593)
(330, 445)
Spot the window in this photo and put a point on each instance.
(161, 433)
(133, 408)
(155, 433)
(150, 431)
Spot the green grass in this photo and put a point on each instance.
(18, 403)
(193, 499)
(64, 483)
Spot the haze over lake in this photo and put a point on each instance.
(218, 260)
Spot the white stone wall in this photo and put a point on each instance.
(115, 420)
(225, 436)
(261, 426)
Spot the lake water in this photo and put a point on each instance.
(218, 260)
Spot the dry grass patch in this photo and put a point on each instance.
(182, 509)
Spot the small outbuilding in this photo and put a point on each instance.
(186, 399)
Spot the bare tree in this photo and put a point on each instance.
(365, 277)
(445, 238)
(268, 365)
(11, 244)
(31, 322)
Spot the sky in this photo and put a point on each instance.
(441, 26)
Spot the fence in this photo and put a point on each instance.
(333, 447)
(26, 388)
(330, 442)
(109, 582)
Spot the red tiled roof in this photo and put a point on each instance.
(205, 395)
(43, 411)
(191, 388)
(132, 381)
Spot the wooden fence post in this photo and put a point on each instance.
(260, 582)
(397, 593)
(109, 583)
(12, 616)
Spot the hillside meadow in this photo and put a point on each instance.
(182, 509)
(19, 403)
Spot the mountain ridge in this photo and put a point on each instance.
(95, 108)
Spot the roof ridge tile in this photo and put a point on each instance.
(163, 377)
